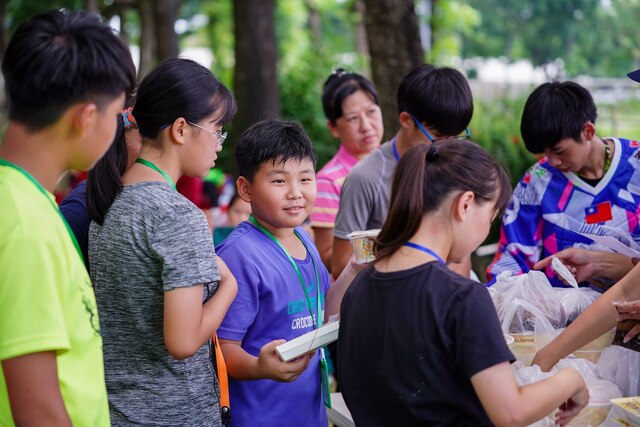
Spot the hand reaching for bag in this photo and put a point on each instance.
(584, 264)
(580, 262)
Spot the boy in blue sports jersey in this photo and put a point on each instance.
(584, 185)
(284, 289)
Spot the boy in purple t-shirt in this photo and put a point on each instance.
(274, 304)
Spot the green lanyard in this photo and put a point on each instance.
(607, 157)
(324, 370)
(48, 196)
(148, 164)
(297, 269)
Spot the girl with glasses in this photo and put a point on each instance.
(161, 291)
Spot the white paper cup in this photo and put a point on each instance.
(362, 242)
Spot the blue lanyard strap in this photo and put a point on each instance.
(267, 233)
(395, 149)
(48, 197)
(148, 164)
(425, 249)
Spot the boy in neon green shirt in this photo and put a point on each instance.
(66, 75)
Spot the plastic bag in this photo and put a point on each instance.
(521, 314)
(600, 390)
(533, 287)
(622, 367)
(575, 300)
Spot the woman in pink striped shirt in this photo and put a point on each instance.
(352, 107)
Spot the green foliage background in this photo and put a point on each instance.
(543, 31)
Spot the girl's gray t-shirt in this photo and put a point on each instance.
(153, 240)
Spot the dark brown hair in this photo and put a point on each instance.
(426, 175)
(340, 85)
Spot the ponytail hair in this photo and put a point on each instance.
(104, 181)
(427, 175)
(176, 88)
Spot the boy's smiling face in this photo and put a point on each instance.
(282, 194)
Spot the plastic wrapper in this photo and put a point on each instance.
(624, 412)
(533, 287)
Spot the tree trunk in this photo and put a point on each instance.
(255, 81)
(147, 37)
(91, 5)
(166, 14)
(315, 25)
(394, 43)
(362, 47)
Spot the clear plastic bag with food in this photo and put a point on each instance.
(523, 315)
(575, 300)
(533, 287)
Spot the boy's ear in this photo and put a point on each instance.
(83, 117)
(405, 119)
(589, 130)
(244, 189)
(462, 205)
(332, 129)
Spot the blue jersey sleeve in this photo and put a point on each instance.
(520, 242)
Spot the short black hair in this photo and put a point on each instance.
(437, 96)
(275, 141)
(341, 84)
(555, 111)
(60, 58)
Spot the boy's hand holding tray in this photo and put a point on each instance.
(308, 342)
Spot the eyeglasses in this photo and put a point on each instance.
(220, 135)
(467, 134)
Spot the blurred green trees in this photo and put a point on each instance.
(313, 37)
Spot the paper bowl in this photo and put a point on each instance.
(362, 242)
(593, 350)
(523, 347)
